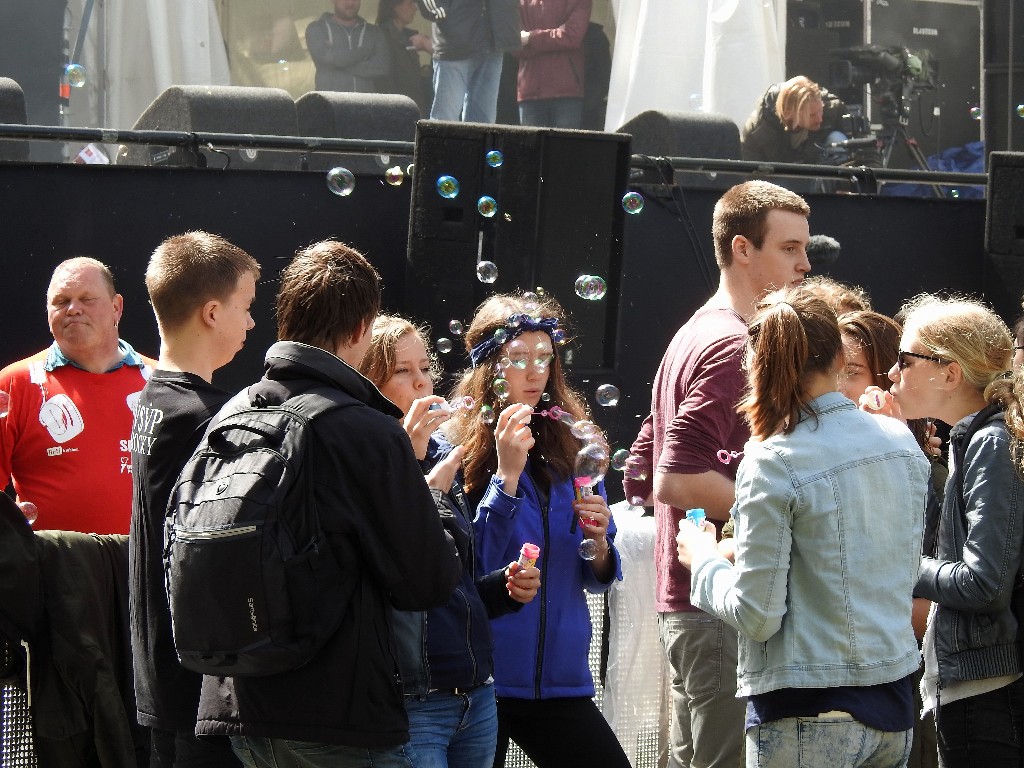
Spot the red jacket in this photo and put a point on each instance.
(551, 63)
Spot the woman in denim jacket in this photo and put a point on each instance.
(954, 365)
(829, 508)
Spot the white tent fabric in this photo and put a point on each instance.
(689, 55)
(139, 48)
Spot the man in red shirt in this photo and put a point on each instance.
(66, 412)
(693, 439)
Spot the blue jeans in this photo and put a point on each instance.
(826, 742)
(983, 730)
(706, 723)
(259, 752)
(448, 730)
(467, 89)
(563, 112)
(181, 749)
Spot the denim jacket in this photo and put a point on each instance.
(828, 527)
(978, 556)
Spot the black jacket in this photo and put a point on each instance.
(450, 646)
(465, 28)
(383, 523)
(765, 139)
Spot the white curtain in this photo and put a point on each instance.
(690, 55)
(140, 48)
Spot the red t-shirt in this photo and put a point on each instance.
(64, 443)
(693, 417)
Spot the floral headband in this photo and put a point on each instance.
(514, 326)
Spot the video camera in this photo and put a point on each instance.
(889, 66)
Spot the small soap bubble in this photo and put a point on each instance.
(394, 176)
(76, 75)
(518, 354)
(591, 287)
(502, 364)
(464, 403)
(444, 346)
(580, 429)
(507, 216)
(500, 336)
(500, 388)
(696, 102)
(456, 327)
(487, 206)
(558, 336)
(409, 169)
(954, 193)
(486, 271)
(588, 549)
(29, 510)
(632, 202)
(514, 321)
(637, 501)
(530, 296)
(591, 465)
(637, 468)
(1020, 110)
(542, 356)
(447, 186)
(487, 414)
(5, 403)
(975, 113)
(607, 395)
(619, 459)
(545, 397)
(341, 181)
(494, 158)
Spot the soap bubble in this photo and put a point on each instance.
(545, 397)
(464, 403)
(975, 113)
(1020, 110)
(486, 271)
(500, 335)
(508, 216)
(5, 403)
(394, 176)
(591, 465)
(444, 346)
(29, 510)
(518, 354)
(637, 501)
(607, 395)
(591, 287)
(558, 336)
(588, 549)
(383, 160)
(632, 202)
(696, 102)
(447, 186)
(619, 459)
(487, 206)
(456, 327)
(409, 169)
(581, 428)
(494, 158)
(502, 364)
(500, 388)
(514, 321)
(531, 297)
(341, 181)
(76, 75)
(487, 414)
(542, 356)
(637, 468)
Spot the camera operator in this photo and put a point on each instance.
(795, 122)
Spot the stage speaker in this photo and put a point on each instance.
(684, 134)
(549, 211)
(337, 115)
(1003, 56)
(1004, 223)
(12, 110)
(218, 109)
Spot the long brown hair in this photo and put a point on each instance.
(378, 364)
(792, 335)
(556, 448)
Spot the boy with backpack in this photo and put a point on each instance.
(201, 287)
(381, 530)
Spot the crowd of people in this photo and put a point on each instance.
(562, 68)
(852, 572)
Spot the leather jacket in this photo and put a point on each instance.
(975, 569)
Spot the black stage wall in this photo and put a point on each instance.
(894, 247)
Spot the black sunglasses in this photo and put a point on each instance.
(901, 363)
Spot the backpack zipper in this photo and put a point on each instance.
(214, 533)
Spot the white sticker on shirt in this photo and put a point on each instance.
(61, 418)
(133, 400)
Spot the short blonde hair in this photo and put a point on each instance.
(794, 101)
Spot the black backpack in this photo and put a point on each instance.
(252, 584)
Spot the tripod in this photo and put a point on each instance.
(896, 131)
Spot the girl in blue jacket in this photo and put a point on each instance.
(519, 466)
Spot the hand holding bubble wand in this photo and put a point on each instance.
(591, 466)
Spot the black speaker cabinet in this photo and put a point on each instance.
(558, 215)
(1004, 75)
(12, 110)
(218, 109)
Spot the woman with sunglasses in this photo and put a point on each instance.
(829, 508)
(954, 364)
